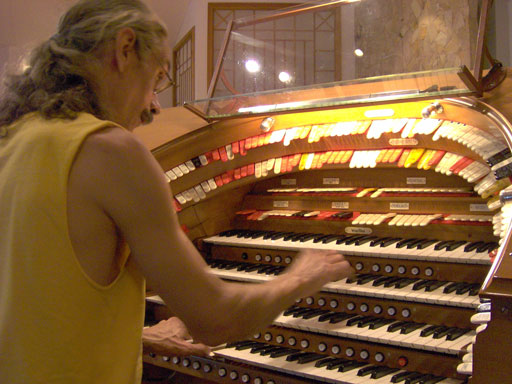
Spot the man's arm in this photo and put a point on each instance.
(131, 188)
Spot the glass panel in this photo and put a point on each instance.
(358, 51)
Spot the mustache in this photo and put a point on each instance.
(146, 116)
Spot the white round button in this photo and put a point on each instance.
(364, 307)
(222, 372)
(335, 349)
(322, 347)
(391, 311)
(377, 309)
(304, 343)
(292, 341)
(350, 352)
(364, 354)
(359, 266)
(333, 303)
(310, 301)
(375, 267)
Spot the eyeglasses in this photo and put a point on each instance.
(164, 84)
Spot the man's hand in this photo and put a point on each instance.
(169, 337)
(316, 268)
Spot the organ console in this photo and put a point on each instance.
(412, 186)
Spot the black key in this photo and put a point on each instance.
(417, 378)
(247, 346)
(324, 362)
(366, 279)
(441, 332)
(415, 243)
(367, 370)
(315, 313)
(383, 371)
(405, 282)
(452, 287)
(350, 366)
(429, 330)
(320, 238)
(282, 352)
(365, 240)
(367, 322)
(336, 363)
(260, 348)
(426, 243)
(396, 326)
(377, 242)
(442, 244)
(327, 316)
(308, 237)
(420, 285)
(463, 289)
(474, 289)
(341, 317)
(355, 320)
(405, 242)
(389, 242)
(455, 245)
(331, 238)
(392, 281)
(381, 280)
(235, 343)
(309, 357)
(381, 323)
(456, 333)
(280, 235)
(399, 377)
(411, 327)
(290, 311)
(487, 247)
(272, 233)
(294, 356)
(353, 239)
(269, 350)
(258, 234)
(300, 312)
(472, 246)
(293, 237)
(435, 285)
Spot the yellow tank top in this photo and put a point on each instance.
(57, 326)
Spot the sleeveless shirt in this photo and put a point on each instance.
(57, 326)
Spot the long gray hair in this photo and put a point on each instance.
(56, 81)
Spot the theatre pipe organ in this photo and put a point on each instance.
(408, 176)
(414, 204)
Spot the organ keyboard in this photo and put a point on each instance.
(414, 192)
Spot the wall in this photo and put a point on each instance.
(23, 23)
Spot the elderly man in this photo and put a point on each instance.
(77, 190)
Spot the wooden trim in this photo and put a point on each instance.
(189, 37)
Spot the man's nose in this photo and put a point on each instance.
(155, 105)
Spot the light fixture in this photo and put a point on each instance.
(284, 77)
(267, 124)
(358, 52)
(252, 66)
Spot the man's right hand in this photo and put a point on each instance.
(316, 268)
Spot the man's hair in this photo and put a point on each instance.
(56, 81)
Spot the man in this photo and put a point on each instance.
(77, 189)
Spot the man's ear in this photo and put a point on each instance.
(125, 48)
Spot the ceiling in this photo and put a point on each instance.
(172, 13)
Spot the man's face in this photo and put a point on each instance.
(147, 77)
